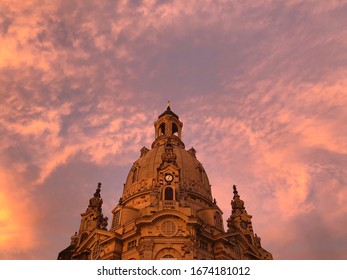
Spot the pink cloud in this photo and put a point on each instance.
(259, 86)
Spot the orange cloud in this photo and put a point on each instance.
(260, 91)
(17, 217)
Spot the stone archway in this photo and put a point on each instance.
(168, 254)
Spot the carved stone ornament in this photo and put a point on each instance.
(146, 245)
(168, 155)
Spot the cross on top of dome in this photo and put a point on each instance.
(168, 112)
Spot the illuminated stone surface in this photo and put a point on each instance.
(166, 211)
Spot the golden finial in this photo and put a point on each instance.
(168, 105)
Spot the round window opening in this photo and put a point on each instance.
(168, 228)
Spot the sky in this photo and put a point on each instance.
(260, 86)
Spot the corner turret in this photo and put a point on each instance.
(93, 217)
(240, 222)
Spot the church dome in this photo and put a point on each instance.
(149, 171)
(166, 211)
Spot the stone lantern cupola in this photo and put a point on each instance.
(167, 126)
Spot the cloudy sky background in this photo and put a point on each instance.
(259, 85)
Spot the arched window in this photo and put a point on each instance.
(162, 129)
(174, 129)
(168, 193)
(168, 257)
(168, 253)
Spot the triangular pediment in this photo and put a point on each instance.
(97, 235)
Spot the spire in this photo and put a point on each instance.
(98, 190)
(240, 222)
(239, 219)
(95, 202)
(168, 112)
(95, 205)
(237, 204)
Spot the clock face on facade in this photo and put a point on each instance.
(168, 178)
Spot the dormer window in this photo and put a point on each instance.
(168, 193)
(134, 177)
(116, 219)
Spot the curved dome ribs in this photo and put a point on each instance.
(187, 173)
